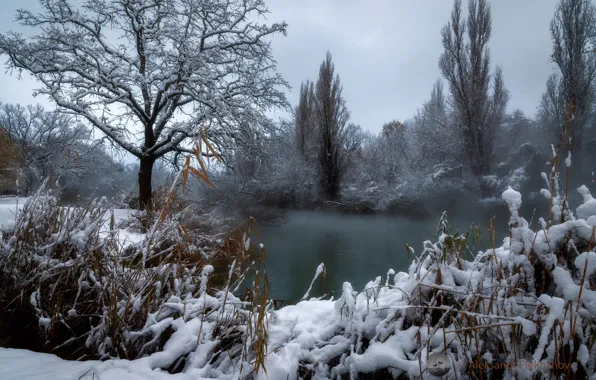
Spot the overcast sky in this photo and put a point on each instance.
(385, 51)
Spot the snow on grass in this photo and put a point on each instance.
(387, 325)
(125, 235)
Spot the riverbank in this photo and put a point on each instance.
(504, 304)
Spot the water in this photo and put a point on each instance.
(355, 248)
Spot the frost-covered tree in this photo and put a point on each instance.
(572, 30)
(49, 143)
(465, 65)
(552, 112)
(392, 145)
(516, 129)
(304, 119)
(435, 137)
(248, 154)
(332, 118)
(152, 74)
(553, 107)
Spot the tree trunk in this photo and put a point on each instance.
(145, 190)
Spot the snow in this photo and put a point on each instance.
(364, 330)
(320, 269)
(513, 200)
(588, 208)
(588, 258)
(22, 364)
(8, 210)
(125, 236)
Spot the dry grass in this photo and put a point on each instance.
(69, 290)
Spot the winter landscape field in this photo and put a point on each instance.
(198, 189)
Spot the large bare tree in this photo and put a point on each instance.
(151, 74)
(465, 64)
(552, 111)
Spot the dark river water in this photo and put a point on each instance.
(356, 248)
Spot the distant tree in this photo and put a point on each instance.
(392, 145)
(352, 142)
(49, 143)
(370, 160)
(435, 136)
(517, 129)
(573, 52)
(9, 163)
(248, 154)
(552, 110)
(157, 71)
(465, 66)
(305, 120)
(332, 118)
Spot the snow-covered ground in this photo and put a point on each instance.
(8, 210)
(9, 207)
(125, 236)
(28, 365)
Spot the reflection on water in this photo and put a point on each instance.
(354, 248)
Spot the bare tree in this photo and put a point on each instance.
(392, 145)
(304, 117)
(248, 154)
(516, 129)
(465, 66)
(332, 118)
(436, 138)
(48, 142)
(9, 163)
(153, 71)
(552, 110)
(571, 30)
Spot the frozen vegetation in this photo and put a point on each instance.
(527, 300)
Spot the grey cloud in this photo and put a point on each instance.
(385, 51)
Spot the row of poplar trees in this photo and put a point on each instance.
(325, 137)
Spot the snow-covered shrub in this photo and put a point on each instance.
(72, 282)
(521, 310)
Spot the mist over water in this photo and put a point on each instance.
(358, 248)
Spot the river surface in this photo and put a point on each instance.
(356, 248)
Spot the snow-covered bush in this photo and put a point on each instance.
(73, 283)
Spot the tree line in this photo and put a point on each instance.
(191, 70)
(463, 130)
